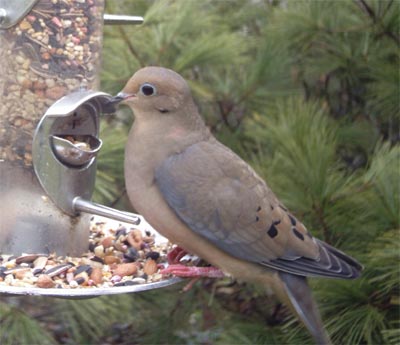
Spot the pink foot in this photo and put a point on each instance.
(175, 255)
(193, 271)
(179, 270)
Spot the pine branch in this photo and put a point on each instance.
(367, 9)
(130, 46)
(326, 234)
(376, 20)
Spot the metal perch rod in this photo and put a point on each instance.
(81, 205)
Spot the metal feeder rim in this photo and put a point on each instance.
(69, 103)
(82, 293)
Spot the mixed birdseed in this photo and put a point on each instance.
(53, 51)
(117, 256)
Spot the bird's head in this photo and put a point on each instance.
(155, 90)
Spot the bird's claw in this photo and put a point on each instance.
(175, 255)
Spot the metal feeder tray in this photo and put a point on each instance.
(66, 171)
(91, 292)
(82, 293)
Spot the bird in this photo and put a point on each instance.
(203, 197)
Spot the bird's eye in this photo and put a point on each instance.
(148, 89)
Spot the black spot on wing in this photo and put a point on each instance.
(298, 234)
(272, 231)
(292, 220)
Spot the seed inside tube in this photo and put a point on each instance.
(35, 49)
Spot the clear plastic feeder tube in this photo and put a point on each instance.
(53, 50)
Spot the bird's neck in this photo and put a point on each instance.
(153, 139)
(169, 133)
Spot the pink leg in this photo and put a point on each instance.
(193, 271)
(191, 283)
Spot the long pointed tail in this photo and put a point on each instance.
(302, 302)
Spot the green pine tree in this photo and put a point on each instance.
(307, 91)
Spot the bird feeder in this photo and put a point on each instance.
(50, 52)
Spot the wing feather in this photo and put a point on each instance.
(233, 208)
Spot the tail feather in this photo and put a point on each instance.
(302, 302)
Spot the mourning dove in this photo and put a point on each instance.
(202, 196)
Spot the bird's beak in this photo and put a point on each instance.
(121, 96)
(111, 105)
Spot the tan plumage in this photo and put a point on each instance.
(203, 197)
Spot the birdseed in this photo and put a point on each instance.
(53, 51)
(110, 261)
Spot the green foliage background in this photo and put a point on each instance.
(307, 92)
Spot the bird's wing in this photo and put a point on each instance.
(220, 197)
